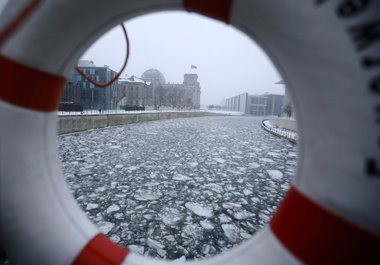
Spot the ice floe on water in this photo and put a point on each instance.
(179, 189)
(154, 244)
(274, 154)
(231, 205)
(219, 160)
(206, 224)
(119, 216)
(244, 214)
(223, 218)
(192, 164)
(253, 165)
(200, 210)
(266, 160)
(214, 187)
(133, 168)
(105, 227)
(275, 174)
(92, 206)
(247, 192)
(232, 232)
(113, 208)
(115, 238)
(136, 248)
(170, 216)
(181, 177)
(194, 231)
(147, 195)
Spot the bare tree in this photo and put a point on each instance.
(288, 109)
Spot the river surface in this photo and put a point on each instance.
(182, 188)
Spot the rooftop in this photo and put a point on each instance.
(86, 63)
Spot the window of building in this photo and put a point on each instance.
(258, 100)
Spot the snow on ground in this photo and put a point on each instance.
(111, 112)
(181, 188)
(281, 131)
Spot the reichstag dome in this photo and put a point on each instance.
(154, 75)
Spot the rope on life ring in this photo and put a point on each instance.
(118, 74)
(330, 214)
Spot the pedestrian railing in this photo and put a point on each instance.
(292, 136)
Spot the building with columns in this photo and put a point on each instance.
(152, 92)
(134, 91)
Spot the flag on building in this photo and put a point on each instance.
(193, 67)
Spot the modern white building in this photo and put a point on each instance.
(258, 105)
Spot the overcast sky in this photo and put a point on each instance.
(228, 62)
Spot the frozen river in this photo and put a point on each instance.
(182, 188)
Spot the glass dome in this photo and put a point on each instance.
(153, 75)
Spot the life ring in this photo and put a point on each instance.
(328, 54)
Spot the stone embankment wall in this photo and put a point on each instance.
(77, 123)
(284, 124)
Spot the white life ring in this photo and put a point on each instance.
(328, 54)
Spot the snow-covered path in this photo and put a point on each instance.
(184, 187)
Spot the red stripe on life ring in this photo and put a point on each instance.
(30, 88)
(318, 236)
(101, 251)
(218, 9)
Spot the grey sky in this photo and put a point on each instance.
(228, 62)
